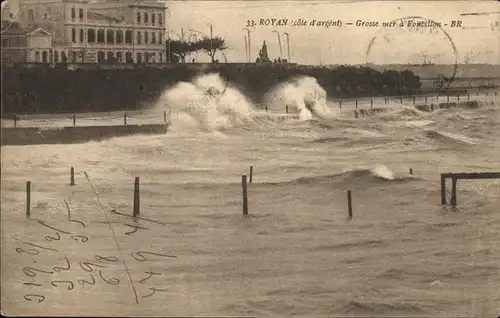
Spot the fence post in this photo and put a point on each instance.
(453, 200)
(136, 198)
(251, 174)
(72, 176)
(349, 203)
(125, 118)
(245, 195)
(28, 198)
(443, 189)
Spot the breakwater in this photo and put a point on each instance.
(79, 134)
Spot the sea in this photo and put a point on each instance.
(190, 250)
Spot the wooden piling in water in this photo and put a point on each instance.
(245, 194)
(15, 120)
(251, 174)
(443, 189)
(136, 211)
(425, 99)
(468, 96)
(287, 109)
(125, 118)
(458, 96)
(349, 203)
(165, 116)
(453, 200)
(356, 104)
(72, 176)
(401, 100)
(413, 98)
(371, 103)
(411, 171)
(340, 104)
(28, 199)
(74, 120)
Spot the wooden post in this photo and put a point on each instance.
(371, 103)
(356, 104)
(468, 96)
(349, 203)
(28, 198)
(287, 109)
(125, 118)
(458, 96)
(443, 189)
(72, 176)
(266, 108)
(411, 171)
(413, 100)
(165, 116)
(15, 120)
(245, 195)
(251, 174)
(453, 200)
(74, 120)
(136, 198)
(340, 104)
(425, 99)
(401, 100)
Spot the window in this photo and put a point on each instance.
(160, 18)
(139, 38)
(138, 18)
(80, 13)
(45, 57)
(37, 56)
(146, 37)
(73, 35)
(139, 57)
(145, 18)
(73, 13)
(153, 19)
(119, 36)
(100, 57)
(100, 36)
(153, 38)
(110, 58)
(110, 35)
(128, 57)
(82, 36)
(128, 36)
(91, 35)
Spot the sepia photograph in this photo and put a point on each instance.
(313, 158)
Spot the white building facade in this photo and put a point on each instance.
(111, 31)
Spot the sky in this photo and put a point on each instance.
(477, 41)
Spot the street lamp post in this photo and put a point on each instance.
(249, 44)
(288, 44)
(279, 43)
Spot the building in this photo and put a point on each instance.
(21, 45)
(84, 31)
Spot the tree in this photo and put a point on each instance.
(211, 46)
(181, 48)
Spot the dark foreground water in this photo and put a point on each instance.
(297, 253)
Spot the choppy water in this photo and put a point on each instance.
(403, 253)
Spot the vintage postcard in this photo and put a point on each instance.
(250, 158)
